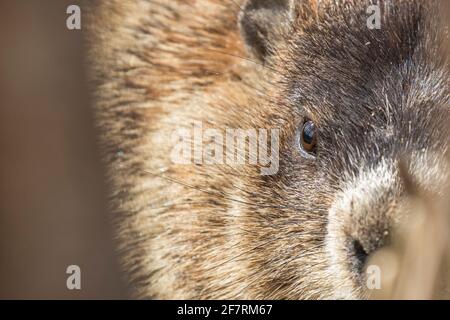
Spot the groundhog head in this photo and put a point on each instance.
(351, 107)
(359, 101)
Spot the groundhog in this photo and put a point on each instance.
(337, 103)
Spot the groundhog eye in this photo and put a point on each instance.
(308, 138)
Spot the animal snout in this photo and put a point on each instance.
(363, 243)
(370, 211)
(360, 222)
(362, 219)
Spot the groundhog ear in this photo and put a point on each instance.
(262, 23)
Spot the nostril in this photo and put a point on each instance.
(360, 255)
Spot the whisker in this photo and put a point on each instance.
(247, 59)
(246, 252)
(258, 276)
(223, 195)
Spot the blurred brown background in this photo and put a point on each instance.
(52, 196)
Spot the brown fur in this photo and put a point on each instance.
(226, 231)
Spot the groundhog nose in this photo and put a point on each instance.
(361, 248)
(359, 256)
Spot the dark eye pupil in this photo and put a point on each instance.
(308, 134)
